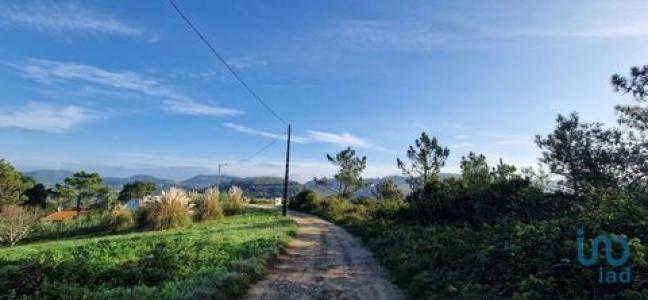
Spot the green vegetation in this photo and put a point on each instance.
(234, 202)
(215, 259)
(208, 205)
(137, 190)
(170, 212)
(495, 233)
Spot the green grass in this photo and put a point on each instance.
(216, 259)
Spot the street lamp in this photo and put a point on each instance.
(219, 174)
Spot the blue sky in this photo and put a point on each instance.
(124, 87)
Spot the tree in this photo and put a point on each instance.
(637, 85)
(17, 223)
(13, 184)
(426, 158)
(387, 190)
(503, 172)
(37, 196)
(474, 170)
(137, 190)
(63, 195)
(86, 186)
(349, 176)
(585, 154)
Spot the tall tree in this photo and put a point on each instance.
(63, 195)
(13, 184)
(503, 172)
(86, 185)
(636, 84)
(137, 190)
(474, 170)
(349, 176)
(426, 158)
(585, 154)
(37, 195)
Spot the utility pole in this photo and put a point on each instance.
(219, 174)
(284, 204)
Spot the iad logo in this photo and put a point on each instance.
(612, 275)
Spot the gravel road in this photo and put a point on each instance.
(324, 261)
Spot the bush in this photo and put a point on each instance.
(304, 201)
(235, 201)
(17, 223)
(208, 205)
(171, 211)
(120, 218)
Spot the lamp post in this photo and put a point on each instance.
(219, 174)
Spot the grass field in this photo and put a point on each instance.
(215, 259)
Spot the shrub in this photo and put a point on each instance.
(304, 200)
(17, 223)
(120, 218)
(171, 211)
(235, 202)
(208, 205)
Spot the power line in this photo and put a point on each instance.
(274, 140)
(247, 87)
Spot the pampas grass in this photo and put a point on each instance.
(208, 205)
(171, 211)
(235, 202)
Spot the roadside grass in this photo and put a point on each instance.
(215, 259)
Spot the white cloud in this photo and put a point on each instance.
(257, 132)
(52, 72)
(343, 139)
(498, 24)
(69, 17)
(43, 117)
(461, 136)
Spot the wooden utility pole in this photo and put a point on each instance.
(284, 202)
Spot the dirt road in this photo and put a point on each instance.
(324, 262)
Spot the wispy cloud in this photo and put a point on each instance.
(313, 137)
(340, 139)
(59, 17)
(53, 72)
(475, 26)
(43, 117)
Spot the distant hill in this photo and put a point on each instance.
(118, 182)
(49, 177)
(260, 187)
(204, 181)
(368, 190)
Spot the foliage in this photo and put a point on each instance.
(585, 154)
(206, 261)
(63, 195)
(235, 202)
(17, 223)
(304, 200)
(85, 187)
(171, 211)
(137, 190)
(349, 176)
(474, 170)
(37, 196)
(426, 160)
(13, 184)
(120, 218)
(208, 205)
(388, 190)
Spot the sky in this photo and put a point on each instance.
(125, 87)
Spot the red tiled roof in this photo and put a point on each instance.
(63, 215)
